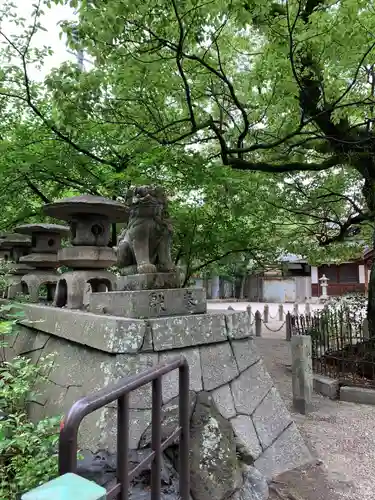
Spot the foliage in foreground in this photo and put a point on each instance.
(28, 455)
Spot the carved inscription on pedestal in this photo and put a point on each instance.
(157, 302)
(189, 301)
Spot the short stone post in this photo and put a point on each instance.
(307, 309)
(230, 308)
(258, 324)
(288, 326)
(295, 309)
(281, 312)
(266, 312)
(66, 487)
(249, 318)
(302, 375)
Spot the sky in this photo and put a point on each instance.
(50, 22)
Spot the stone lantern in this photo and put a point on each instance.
(12, 247)
(324, 285)
(45, 244)
(90, 219)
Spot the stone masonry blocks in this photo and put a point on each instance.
(186, 331)
(246, 435)
(250, 388)
(94, 351)
(224, 402)
(270, 418)
(170, 381)
(245, 352)
(106, 333)
(218, 365)
(128, 365)
(287, 452)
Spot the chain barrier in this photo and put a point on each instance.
(274, 331)
(273, 317)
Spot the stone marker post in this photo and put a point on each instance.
(258, 324)
(307, 309)
(281, 312)
(288, 327)
(302, 376)
(266, 313)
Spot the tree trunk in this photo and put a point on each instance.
(242, 286)
(371, 298)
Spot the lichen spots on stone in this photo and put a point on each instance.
(211, 439)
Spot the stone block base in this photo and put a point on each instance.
(152, 281)
(357, 395)
(149, 303)
(225, 369)
(71, 287)
(326, 386)
(32, 282)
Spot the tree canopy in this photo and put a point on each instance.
(262, 111)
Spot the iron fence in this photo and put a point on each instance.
(341, 345)
(68, 443)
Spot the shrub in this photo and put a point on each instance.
(28, 455)
(352, 305)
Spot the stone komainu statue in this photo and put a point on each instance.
(145, 245)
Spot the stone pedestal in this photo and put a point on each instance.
(90, 220)
(46, 242)
(150, 303)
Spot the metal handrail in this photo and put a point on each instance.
(68, 442)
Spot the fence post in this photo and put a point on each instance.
(288, 326)
(307, 309)
(281, 312)
(249, 318)
(258, 324)
(67, 486)
(302, 376)
(295, 309)
(266, 313)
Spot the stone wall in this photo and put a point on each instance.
(94, 350)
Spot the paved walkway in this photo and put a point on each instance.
(339, 434)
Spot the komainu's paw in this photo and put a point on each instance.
(146, 269)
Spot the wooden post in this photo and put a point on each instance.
(302, 375)
(266, 312)
(258, 324)
(281, 312)
(288, 326)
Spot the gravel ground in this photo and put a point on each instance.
(339, 434)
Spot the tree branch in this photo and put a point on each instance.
(239, 164)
